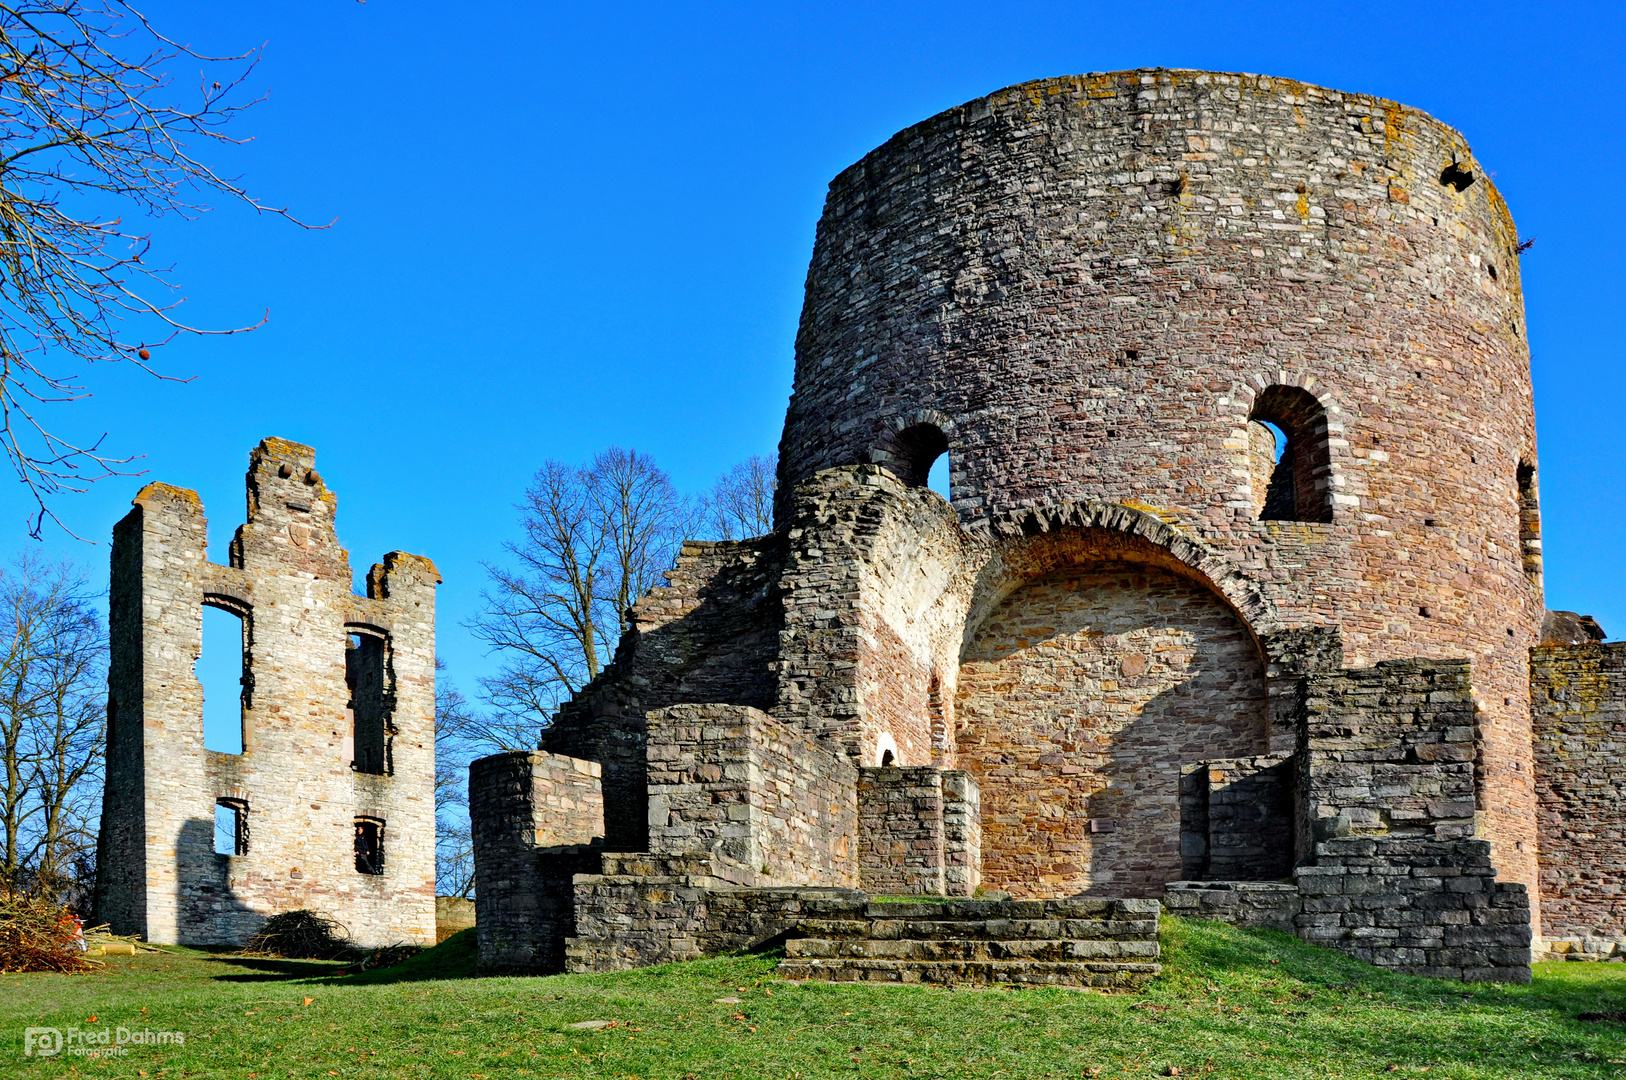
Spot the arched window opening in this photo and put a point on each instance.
(372, 698)
(1289, 462)
(369, 846)
(223, 670)
(231, 827)
(914, 451)
(938, 478)
(1529, 520)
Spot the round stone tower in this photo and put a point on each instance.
(1286, 320)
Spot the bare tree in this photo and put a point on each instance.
(595, 539)
(52, 723)
(92, 124)
(741, 503)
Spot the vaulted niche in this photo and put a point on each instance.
(368, 673)
(1291, 482)
(224, 672)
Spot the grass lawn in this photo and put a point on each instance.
(1231, 1003)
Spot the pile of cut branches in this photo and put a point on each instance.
(37, 935)
(301, 935)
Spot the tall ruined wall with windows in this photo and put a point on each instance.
(330, 804)
(1111, 287)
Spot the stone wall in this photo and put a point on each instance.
(1578, 698)
(771, 804)
(708, 635)
(537, 822)
(1236, 818)
(1387, 756)
(312, 763)
(1088, 288)
(1080, 698)
(919, 831)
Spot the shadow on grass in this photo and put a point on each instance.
(454, 958)
(271, 969)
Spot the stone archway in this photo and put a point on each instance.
(1098, 669)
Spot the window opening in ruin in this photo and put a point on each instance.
(222, 669)
(915, 449)
(231, 827)
(938, 478)
(369, 846)
(367, 674)
(1289, 460)
(1529, 520)
(1456, 176)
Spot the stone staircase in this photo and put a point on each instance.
(1102, 944)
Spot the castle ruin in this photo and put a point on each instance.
(1236, 604)
(332, 799)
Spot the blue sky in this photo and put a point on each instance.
(561, 226)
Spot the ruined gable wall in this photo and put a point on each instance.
(291, 578)
(1092, 280)
(1578, 696)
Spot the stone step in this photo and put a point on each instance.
(1076, 907)
(999, 929)
(967, 949)
(1100, 975)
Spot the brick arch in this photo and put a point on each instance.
(1034, 540)
(1106, 656)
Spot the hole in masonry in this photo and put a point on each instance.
(1425, 612)
(220, 669)
(1492, 268)
(1458, 177)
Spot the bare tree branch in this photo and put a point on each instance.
(92, 124)
(741, 503)
(52, 723)
(595, 539)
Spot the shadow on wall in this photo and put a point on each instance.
(1081, 701)
(207, 911)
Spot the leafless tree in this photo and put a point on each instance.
(52, 723)
(93, 125)
(595, 538)
(741, 503)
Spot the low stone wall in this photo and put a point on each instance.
(1578, 707)
(537, 822)
(1425, 907)
(910, 822)
(773, 804)
(1273, 904)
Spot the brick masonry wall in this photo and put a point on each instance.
(901, 831)
(768, 803)
(291, 581)
(1248, 817)
(1080, 699)
(1578, 698)
(1087, 283)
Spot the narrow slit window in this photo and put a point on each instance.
(222, 669)
(231, 827)
(1529, 520)
(366, 671)
(369, 846)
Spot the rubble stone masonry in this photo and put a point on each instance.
(1578, 697)
(338, 707)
